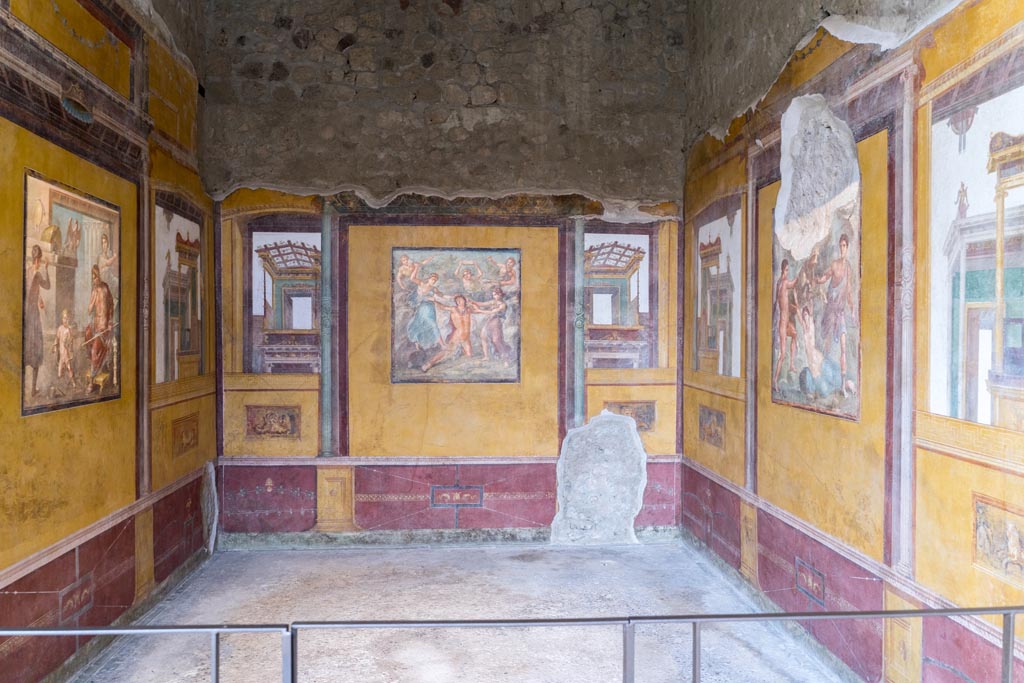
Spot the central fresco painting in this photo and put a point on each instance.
(455, 315)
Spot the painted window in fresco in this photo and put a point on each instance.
(976, 353)
(816, 265)
(455, 315)
(285, 314)
(718, 263)
(620, 328)
(178, 313)
(71, 329)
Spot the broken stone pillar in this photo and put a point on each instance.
(602, 474)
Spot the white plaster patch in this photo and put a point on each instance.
(820, 175)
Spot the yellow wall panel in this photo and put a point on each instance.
(451, 419)
(964, 31)
(903, 637)
(661, 440)
(245, 201)
(946, 546)
(730, 460)
(183, 437)
(826, 470)
(79, 35)
(144, 576)
(64, 469)
(271, 390)
(173, 95)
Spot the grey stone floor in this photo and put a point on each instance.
(474, 582)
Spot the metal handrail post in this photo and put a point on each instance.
(215, 657)
(295, 654)
(1008, 638)
(628, 652)
(288, 656)
(696, 652)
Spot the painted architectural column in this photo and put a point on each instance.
(750, 305)
(326, 352)
(997, 335)
(903, 423)
(144, 450)
(579, 328)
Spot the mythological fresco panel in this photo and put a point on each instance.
(71, 315)
(285, 313)
(179, 306)
(977, 250)
(455, 315)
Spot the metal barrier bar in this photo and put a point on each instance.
(215, 657)
(289, 656)
(696, 653)
(1008, 647)
(628, 653)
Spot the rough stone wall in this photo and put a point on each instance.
(738, 48)
(448, 96)
(186, 21)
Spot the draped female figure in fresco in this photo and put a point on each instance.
(38, 278)
(838, 296)
(822, 377)
(422, 329)
(492, 333)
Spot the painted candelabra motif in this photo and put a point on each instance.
(286, 302)
(976, 322)
(71, 317)
(816, 266)
(455, 315)
(179, 305)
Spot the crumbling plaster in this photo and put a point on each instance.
(475, 98)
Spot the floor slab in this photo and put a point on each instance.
(498, 582)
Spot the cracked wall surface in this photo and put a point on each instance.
(452, 96)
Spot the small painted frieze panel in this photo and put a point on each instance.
(71, 322)
(718, 267)
(456, 496)
(185, 435)
(273, 422)
(455, 315)
(178, 314)
(976, 259)
(816, 265)
(285, 314)
(711, 426)
(997, 539)
(810, 582)
(619, 329)
(642, 412)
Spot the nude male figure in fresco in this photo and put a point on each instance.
(461, 316)
(838, 297)
(786, 330)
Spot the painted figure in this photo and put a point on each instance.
(821, 378)
(492, 333)
(471, 282)
(508, 278)
(407, 268)
(461, 316)
(422, 329)
(64, 348)
(98, 333)
(107, 262)
(38, 279)
(961, 201)
(838, 296)
(786, 330)
(806, 285)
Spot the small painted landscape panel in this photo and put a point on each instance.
(976, 261)
(455, 315)
(179, 297)
(185, 434)
(285, 314)
(642, 412)
(71, 317)
(997, 539)
(711, 426)
(273, 422)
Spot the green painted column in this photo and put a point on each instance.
(326, 352)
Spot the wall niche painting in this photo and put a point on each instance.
(976, 353)
(273, 422)
(285, 314)
(718, 264)
(455, 315)
(71, 329)
(178, 314)
(620, 329)
(816, 265)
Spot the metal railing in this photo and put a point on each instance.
(290, 633)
